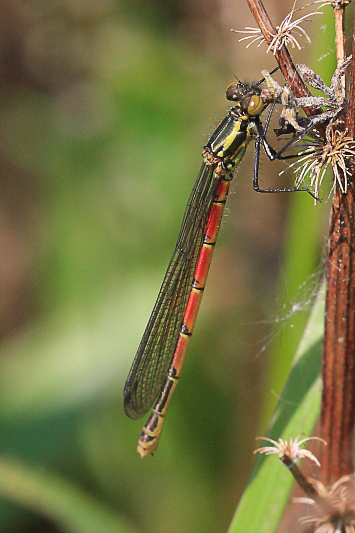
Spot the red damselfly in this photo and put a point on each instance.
(160, 356)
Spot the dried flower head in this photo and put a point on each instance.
(333, 510)
(289, 453)
(336, 151)
(336, 92)
(285, 31)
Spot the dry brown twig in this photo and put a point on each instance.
(338, 401)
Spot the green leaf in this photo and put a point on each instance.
(263, 501)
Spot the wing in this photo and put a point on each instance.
(157, 346)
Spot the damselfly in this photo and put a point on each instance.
(157, 365)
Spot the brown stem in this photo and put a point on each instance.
(299, 477)
(339, 33)
(338, 399)
(340, 39)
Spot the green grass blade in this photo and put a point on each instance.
(263, 501)
(63, 503)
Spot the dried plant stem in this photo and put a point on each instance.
(339, 33)
(301, 480)
(338, 399)
(338, 352)
(340, 37)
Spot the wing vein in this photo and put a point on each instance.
(156, 349)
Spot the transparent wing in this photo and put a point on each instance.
(157, 346)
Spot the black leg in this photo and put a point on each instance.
(256, 174)
(269, 150)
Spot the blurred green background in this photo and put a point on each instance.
(105, 107)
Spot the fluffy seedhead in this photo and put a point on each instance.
(286, 31)
(332, 510)
(337, 151)
(289, 452)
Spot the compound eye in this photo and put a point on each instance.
(255, 105)
(234, 91)
(245, 104)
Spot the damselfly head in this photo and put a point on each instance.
(238, 91)
(247, 96)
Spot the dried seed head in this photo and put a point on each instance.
(336, 151)
(289, 453)
(287, 28)
(333, 510)
(285, 31)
